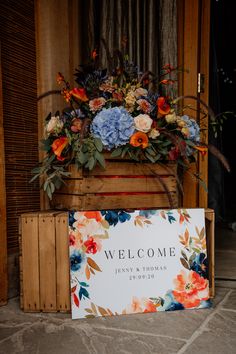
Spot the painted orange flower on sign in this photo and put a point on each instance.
(190, 289)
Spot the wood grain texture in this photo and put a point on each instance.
(47, 262)
(210, 236)
(204, 69)
(30, 263)
(3, 224)
(58, 49)
(62, 263)
(19, 99)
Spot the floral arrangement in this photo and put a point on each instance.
(118, 112)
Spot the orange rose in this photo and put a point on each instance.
(79, 93)
(59, 145)
(163, 106)
(139, 139)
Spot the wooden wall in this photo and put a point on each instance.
(58, 50)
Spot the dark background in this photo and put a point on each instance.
(222, 185)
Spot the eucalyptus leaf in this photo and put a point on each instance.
(100, 158)
(98, 144)
(117, 152)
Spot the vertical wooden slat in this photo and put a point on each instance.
(62, 263)
(193, 55)
(3, 226)
(204, 69)
(190, 63)
(47, 263)
(210, 232)
(30, 262)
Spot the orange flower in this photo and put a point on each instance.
(59, 145)
(163, 106)
(94, 54)
(190, 289)
(201, 149)
(93, 215)
(66, 94)
(139, 139)
(60, 78)
(79, 93)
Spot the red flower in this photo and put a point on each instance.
(163, 106)
(190, 289)
(79, 93)
(58, 146)
(91, 245)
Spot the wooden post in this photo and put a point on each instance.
(193, 56)
(3, 226)
(58, 50)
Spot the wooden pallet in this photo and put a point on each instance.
(44, 261)
(147, 185)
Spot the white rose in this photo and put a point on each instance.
(54, 124)
(171, 118)
(143, 123)
(154, 133)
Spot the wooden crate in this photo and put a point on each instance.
(147, 185)
(44, 261)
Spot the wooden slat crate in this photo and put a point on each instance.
(145, 184)
(44, 260)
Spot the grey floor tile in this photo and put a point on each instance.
(230, 303)
(49, 339)
(219, 336)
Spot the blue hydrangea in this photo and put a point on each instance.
(114, 126)
(193, 127)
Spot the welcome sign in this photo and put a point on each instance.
(125, 262)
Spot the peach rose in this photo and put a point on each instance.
(143, 123)
(96, 104)
(140, 92)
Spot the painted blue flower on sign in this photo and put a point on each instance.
(76, 260)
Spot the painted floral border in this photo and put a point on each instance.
(88, 229)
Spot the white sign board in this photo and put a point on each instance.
(142, 261)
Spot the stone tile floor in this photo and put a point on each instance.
(191, 331)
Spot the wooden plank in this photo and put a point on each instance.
(3, 222)
(62, 263)
(204, 69)
(126, 168)
(210, 233)
(91, 202)
(106, 185)
(30, 263)
(190, 53)
(47, 264)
